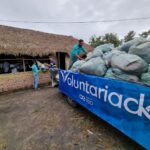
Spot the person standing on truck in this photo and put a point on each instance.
(77, 53)
(35, 72)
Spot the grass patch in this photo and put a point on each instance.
(35, 110)
(3, 144)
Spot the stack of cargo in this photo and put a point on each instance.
(128, 62)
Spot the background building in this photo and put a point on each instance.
(18, 47)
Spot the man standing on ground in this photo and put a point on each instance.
(53, 71)
(35, 72)
(77, 53)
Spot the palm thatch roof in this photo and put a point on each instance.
(16, 41)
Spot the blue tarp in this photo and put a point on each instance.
(125, 106)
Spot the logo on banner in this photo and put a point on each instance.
(86, 99)
(130, 104)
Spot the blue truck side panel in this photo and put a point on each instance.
(124, 105)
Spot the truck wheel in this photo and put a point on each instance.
(71, 102)
(63, 95)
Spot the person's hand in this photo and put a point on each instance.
(81, 58)
(83, 55)
(78, 57)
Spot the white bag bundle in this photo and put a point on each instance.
(95, 66)
(100, 50)
(75, 67)
(129, 63)
(145, 77)
(142, 50)
(89, 56)
(104, 48)
(115, 73)
(126, 46)
(107, 56)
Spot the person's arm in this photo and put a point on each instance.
(35, 69)
(39, 70)
(83, 53)
(78, 56)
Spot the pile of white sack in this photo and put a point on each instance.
(129, 62)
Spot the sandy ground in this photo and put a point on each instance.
(43, 120)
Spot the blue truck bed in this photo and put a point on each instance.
(125, 106)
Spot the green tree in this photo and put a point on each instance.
(145, 34)
(107, 38)
(112, 38)
(130, 36)
(96, 41)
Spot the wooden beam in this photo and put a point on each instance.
(24, 59)
(59, 58)
(24, 67)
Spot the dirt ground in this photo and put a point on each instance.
(43, 120)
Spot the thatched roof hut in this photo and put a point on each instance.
(16, 41)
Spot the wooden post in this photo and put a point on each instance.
(59, 58)
(24, 67)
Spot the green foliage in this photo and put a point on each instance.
(35, 110)
(130, 36)
(3, 144)
(107, 38)
(145, 34)
(96, 41)
(114, 39)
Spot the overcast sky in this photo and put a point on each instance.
(77, 10)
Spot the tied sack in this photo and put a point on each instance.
(115, 73)
(129, 63)
(126, 46)
(100, 50)
(145, 77)
(94, 66)
(107, 56)
(76, 66)
(142, 50)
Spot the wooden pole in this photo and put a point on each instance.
(24, 67)
(59, 58)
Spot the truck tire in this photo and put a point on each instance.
(71, 102)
